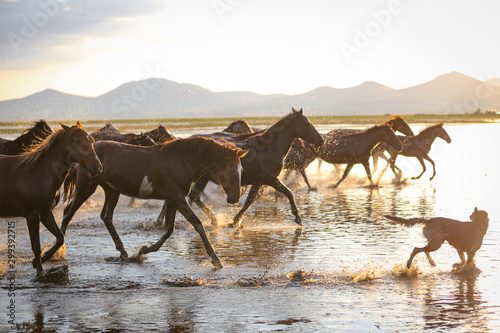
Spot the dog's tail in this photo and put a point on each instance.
(406, 222)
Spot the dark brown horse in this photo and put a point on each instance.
(111, 133)
(34, 135)
(164, 172)
(264, 161)
(397, 123)
(417, 146)
(351, 149)
(29, 182)
(240, 126)
(160, 134)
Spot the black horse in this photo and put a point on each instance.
(264, 161)
(30, 137)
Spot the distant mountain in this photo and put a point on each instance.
(159, 98)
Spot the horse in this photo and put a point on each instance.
(164, 172)
(34, 135)
(300, 155)
(356, 148)
(130, 138)
(397, 123)
(240, 126)
(417, 146)
(109, 128)
(30, 182)
(160, 134)
(264, 161)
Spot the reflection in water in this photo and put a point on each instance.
(463, 305)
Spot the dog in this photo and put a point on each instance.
(465, 237)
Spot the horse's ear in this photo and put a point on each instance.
(64, 127)
(293, 110)
(475, 209)
(79, 125)
(242, 153)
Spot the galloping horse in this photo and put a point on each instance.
(37, 133)
(30, 182)
(396, 123)
(417, 146)
(164, 172)
(356, 148)
(264, 161)
(302, 154)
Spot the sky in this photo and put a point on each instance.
(88, 47)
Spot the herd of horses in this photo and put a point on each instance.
(35, 167)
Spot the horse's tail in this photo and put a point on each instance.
(406, 222)
(69, 183)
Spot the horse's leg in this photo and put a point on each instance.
(84, 189)
(110, 201)
(303, 173)
(162, 215)
(422, 163)
(346, 172)
(169, 221)
(433, 166)
(188, 213)
(50, 223)
(33, 221)
(288, 172)
(279, 186)
(253, 194)
(195, 196)
(366, 165)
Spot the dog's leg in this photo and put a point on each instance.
(433, 245)
(461, 254)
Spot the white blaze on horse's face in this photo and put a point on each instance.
(146, 188)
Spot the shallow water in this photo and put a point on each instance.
(278, 276)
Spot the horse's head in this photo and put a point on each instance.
(41, 129)
(398, 124)
(80, 147)
(389, 137)
(164, 134)
(239, 126)
(441, 133)
(228, 171)
(304, 129)
(142, 140)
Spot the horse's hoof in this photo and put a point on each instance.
(313, 188)
(124, 257)
(298, 220)
(408, 264)
(142, 250)
(217, 263)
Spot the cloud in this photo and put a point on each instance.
(34, 33)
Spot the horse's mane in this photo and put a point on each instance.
(35, 152)
(206, 147)
(429, 128)
(38, 124)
